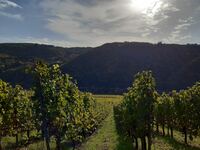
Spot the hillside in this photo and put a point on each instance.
(110, 68)
(16, 57)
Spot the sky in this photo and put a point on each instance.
(71, 23)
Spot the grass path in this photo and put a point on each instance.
(106, 138)
(177, 143)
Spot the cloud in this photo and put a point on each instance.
(13, 16)
(94, 22)
(179, 32)
(30, 39)
(100, 21)
(7, 4)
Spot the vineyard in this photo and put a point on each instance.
(55, 114)
(54, 108)
(143, 110)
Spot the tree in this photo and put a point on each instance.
(137, 109)
(144, 87)
(21, 111)
(165, 113)
(5, 110)
(193, 95)
(41, 98)
(61, 109)
(183, 109)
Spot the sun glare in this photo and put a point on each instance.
(148, 7)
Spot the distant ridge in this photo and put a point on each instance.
(112, 66)
(108, 68)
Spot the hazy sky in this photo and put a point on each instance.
(94, 22)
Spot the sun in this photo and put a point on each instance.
(148, 7)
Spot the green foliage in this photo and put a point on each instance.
(61, 109)
(15, 110)
(21, 114)
(56, 108)
(143, 107)
(135, 114)
(180, 111)
(5, 108)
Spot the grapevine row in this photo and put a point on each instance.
(54, 107)
(143, 109)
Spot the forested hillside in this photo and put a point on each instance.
(16, 57)
(109, 68)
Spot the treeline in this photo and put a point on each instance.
(179, 111)
(54, 108)
(143, 110)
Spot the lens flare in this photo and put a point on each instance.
(147, 7)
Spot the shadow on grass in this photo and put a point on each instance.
(66, 145)
(124, 143)
(22, 143)
(176, 145)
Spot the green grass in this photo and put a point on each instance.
(107, 137)
(177, 143)
(8, 143)
(108, 99)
